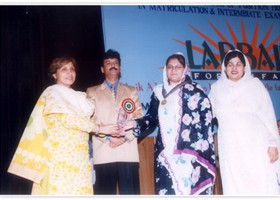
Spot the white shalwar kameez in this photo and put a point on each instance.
(247, 128)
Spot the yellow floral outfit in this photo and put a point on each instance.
(53, 150)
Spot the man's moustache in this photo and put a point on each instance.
(113, 68)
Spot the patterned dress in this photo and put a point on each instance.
(184, 149)
(53, 151)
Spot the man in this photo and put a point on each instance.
(116, 159)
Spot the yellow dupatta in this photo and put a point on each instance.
(32, 154)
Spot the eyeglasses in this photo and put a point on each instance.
(177, 67)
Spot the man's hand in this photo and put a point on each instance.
(116, 141)
(110, 129)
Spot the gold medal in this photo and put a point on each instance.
(164, 95)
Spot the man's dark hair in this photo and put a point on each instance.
(111, 53)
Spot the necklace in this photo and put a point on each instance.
(164, 101)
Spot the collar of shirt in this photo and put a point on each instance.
(111, 86)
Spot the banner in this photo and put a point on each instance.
(146, 35)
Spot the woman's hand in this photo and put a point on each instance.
(129, 124)
(273, 154)
(110, 129)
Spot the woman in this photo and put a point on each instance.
(53, 150)
(184, 149)
(247, 132)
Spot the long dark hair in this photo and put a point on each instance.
(179, 57)
(234, 54)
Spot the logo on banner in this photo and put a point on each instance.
(264, 57)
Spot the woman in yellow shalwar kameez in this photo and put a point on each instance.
(53, 150)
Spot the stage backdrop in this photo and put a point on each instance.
(146, 35)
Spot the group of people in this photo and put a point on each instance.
(54, 149)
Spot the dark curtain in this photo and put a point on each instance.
(31, 36)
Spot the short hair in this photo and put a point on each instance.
(111, 53)
(180, 58)
(234, 54)
(58, 62)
